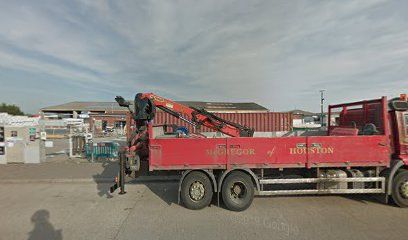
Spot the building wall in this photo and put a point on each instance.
(260, 121)
(96, 120)
(22, 145)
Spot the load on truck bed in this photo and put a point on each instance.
(364, 150)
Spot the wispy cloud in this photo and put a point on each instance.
(277, 53)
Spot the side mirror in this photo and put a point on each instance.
(398, 105)
(121, 101)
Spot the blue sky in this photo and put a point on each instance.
(276, 53)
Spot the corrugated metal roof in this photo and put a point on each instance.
(85, 106)
(113, 106)
(226, 106)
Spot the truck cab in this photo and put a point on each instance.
(399, 126)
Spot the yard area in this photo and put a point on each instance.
(69, 199)
(150, 211)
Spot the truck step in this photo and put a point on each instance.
(319, 191)
(321, 180)
(380, 186)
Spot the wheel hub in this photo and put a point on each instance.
(404, 189)
(237, 190)
(197, 191)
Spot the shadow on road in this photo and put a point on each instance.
(110, 170)
(360, 198)
(164, 187)
(366, 198)
(43, 229)
(166, 191)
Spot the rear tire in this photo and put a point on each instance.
(400, 189)
(196, 190)
(237, 191)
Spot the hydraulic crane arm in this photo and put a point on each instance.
(145, 108)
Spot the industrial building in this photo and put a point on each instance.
(103, 116)
(309, 120)
(75, 109)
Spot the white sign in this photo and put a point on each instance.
(49, 144)
(43, 135)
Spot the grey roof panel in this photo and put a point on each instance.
(225, 106)
(113, 106)
(85, 106)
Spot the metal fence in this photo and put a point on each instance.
(101, 150)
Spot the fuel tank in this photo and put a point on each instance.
(332, 173)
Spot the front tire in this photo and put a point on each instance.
(400, 189)
(196, 190)
(237, 191)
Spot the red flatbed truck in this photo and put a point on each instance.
(364, 151)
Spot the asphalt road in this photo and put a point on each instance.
(86, 211)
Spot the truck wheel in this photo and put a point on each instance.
(196, 190)
(237, 191)
(400, 189)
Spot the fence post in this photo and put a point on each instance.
(92, 152)
(70, 146)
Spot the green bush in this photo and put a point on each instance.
(10, 109)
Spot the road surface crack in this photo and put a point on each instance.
(128, 214)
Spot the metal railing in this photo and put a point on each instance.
(101, 150)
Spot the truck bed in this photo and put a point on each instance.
(347, 144)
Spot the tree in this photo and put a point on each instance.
(11, 109)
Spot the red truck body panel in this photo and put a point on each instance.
(283, 152)
(350, 151)
(185, 153)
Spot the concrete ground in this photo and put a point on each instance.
(150, 211)
(58, 170)
(59, 166)
(69, 199)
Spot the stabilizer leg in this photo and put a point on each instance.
(122, 162)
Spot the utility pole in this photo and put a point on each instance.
(321, 106)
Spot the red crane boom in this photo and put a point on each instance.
(145, 108)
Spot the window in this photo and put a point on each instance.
(1, 134)
(120, 124)
(406, 123)
(104, 124)
(13, 133)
